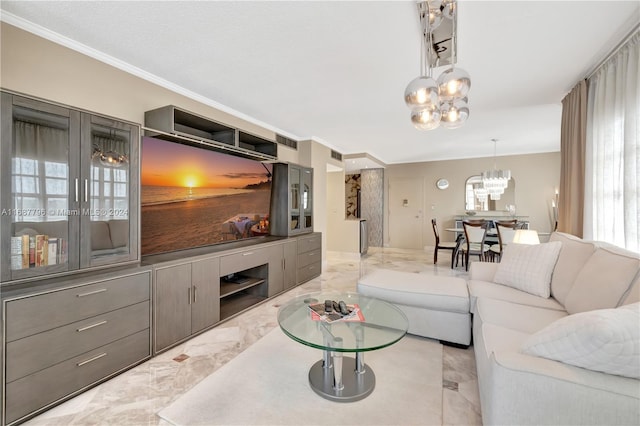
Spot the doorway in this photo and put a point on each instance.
(406, 213)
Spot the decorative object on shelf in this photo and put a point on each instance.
(495, 181)
(442, 101)
(107, 150)
(511, 209)
(442, 184)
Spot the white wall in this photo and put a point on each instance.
(536, 177)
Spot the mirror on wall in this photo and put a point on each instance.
(472, 203)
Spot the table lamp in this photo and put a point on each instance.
(526, 236)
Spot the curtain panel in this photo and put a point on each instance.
(572, 159)
(613, 150)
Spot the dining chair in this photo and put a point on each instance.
(474, 235)
(444, 245)
(506, 231)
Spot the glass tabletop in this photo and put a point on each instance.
(379, 323)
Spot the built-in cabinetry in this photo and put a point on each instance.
(66, 334)
(177, 124)
(68, 189)
(292, 199)
(185, 300)
(196, 289)
(309, 258)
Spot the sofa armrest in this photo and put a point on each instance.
(482, 271)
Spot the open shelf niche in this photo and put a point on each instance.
(243, 289)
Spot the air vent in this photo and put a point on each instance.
(336, 155)
(286, 141)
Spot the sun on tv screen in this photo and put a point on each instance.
(192, 197)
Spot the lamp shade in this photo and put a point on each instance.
(421, 92)
(526, 236)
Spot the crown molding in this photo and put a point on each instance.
(57, 38)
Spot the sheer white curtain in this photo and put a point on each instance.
(613, 150)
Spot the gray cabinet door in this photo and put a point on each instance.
(205, 304)
(172, 303)
(276, 270)
(290, 263)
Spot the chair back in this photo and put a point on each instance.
(506, 232)
(435, 231)
(475, 232)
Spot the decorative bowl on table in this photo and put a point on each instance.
(471, 213)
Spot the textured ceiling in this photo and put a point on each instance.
(337, 70)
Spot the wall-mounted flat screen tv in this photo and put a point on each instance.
(192, 196)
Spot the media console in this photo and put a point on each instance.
(195, 289)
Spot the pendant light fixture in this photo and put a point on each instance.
(444, 100)
(495, 181)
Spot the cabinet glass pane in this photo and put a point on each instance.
(39, 190)
(294, 198)
(108, 189)
(307, 199)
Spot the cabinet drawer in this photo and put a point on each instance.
(309, 271)
(32, 315)
(308, 258)
(37, 390)
(312, 242)
(241, 261)
(43, 350)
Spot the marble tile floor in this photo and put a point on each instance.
(134, 397)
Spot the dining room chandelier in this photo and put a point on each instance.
(497, 180)
(442, 101)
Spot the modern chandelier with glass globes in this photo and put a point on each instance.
(442, 101)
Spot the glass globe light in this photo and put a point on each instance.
(426, 119)
(454, 83)
(454, 113)
(421, 92)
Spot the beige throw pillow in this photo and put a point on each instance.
(606, 340)
(528, 267)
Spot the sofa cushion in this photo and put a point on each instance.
(573, 255)
(604, 280)
(606, 340)
(482, 289)
(527, 319)
(528, 267)
(119, 231)
(100, 236)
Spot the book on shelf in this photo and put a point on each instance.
(53, 251)
(20, 252)
(42, 250)
(32, 251)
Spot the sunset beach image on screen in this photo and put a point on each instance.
(193, 196)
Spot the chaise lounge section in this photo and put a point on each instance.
(571, 358)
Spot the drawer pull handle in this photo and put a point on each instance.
(94, 358)
(249, 253)
(92, 325)
(195, 294)
(102, 290)
(189, 296)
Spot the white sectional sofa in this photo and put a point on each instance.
(589, 280)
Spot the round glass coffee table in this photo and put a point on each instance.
(335, 377)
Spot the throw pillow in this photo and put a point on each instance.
(606, 340)
(528, 267)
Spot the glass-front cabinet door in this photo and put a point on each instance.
(307, 198)
(294, 198)
(39, 221)
(108, 223)
(68, 180)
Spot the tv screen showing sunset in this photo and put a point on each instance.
(193, 196)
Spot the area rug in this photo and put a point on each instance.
(267, 384)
